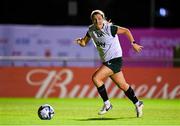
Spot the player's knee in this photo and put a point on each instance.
(124, 86)
(96, 79)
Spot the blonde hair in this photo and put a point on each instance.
(97, 12)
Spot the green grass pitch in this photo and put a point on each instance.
(83, 112)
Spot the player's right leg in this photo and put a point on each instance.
(105, 108)
(139, 108)
(97, 78)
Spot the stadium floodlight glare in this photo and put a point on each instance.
(163, 12)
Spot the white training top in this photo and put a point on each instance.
(106, 41)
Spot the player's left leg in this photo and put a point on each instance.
(120, 81)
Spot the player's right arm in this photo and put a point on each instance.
(83, 41)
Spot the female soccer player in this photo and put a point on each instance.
(105, 38)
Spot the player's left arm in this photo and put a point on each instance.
(125, 31)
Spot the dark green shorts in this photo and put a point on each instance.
(114, 64)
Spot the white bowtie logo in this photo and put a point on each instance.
(109, 63)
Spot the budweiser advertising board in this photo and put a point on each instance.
(70, 82)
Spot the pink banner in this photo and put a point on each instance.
(158, 47)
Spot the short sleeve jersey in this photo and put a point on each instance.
(106, 41)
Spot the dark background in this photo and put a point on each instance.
(129, 13)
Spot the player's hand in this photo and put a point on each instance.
(137, 48)
(80, 41)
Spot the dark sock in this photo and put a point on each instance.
(103, 93)
(131, 95)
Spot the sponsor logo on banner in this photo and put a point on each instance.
(16, 53)
(22, 41)
(62, 54)
(43, 42)
(54, 79)
(64, 42)
(76, 82)
(3, 40)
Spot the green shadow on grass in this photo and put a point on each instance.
(103, 118)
